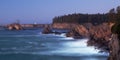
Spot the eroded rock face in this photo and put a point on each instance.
(73, 33)
(63, 25)
(78, 31)
(98, 35)
(102, 37)
(115, 43)
(82, 30)
(114, 48)
(99, 31)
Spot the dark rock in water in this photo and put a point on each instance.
(55, 32)
(99, 43)
(47, 30)
(71, 33)
(78, 37)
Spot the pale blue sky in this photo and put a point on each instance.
(42, 11)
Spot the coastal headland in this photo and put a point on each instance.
(96, 27)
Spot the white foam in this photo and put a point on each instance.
(69, 48)
(69, 38)
(78, 47)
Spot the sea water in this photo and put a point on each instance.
(32, 45)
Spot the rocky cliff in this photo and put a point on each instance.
(114, 46)
(63, 25)
(47, 30)
(79, 31)
(99, 35)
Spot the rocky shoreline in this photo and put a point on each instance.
(99, 36)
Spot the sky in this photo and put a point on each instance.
(43, 11)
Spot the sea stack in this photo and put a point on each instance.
(14, 26)
(47, 30)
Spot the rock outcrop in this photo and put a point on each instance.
(107, 40)
(78, 31)
(14, 26)
(98, 35)
(114, 48)
(47, 30)
(101, 37)
(114, 44)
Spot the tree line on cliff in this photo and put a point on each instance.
(112, 16)
(115, 43)
(100, 33)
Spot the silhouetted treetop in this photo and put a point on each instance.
(81, 18)
(112, 16)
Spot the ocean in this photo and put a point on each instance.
(33, 45)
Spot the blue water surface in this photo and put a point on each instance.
(33, 45)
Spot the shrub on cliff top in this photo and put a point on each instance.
(116, 28)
